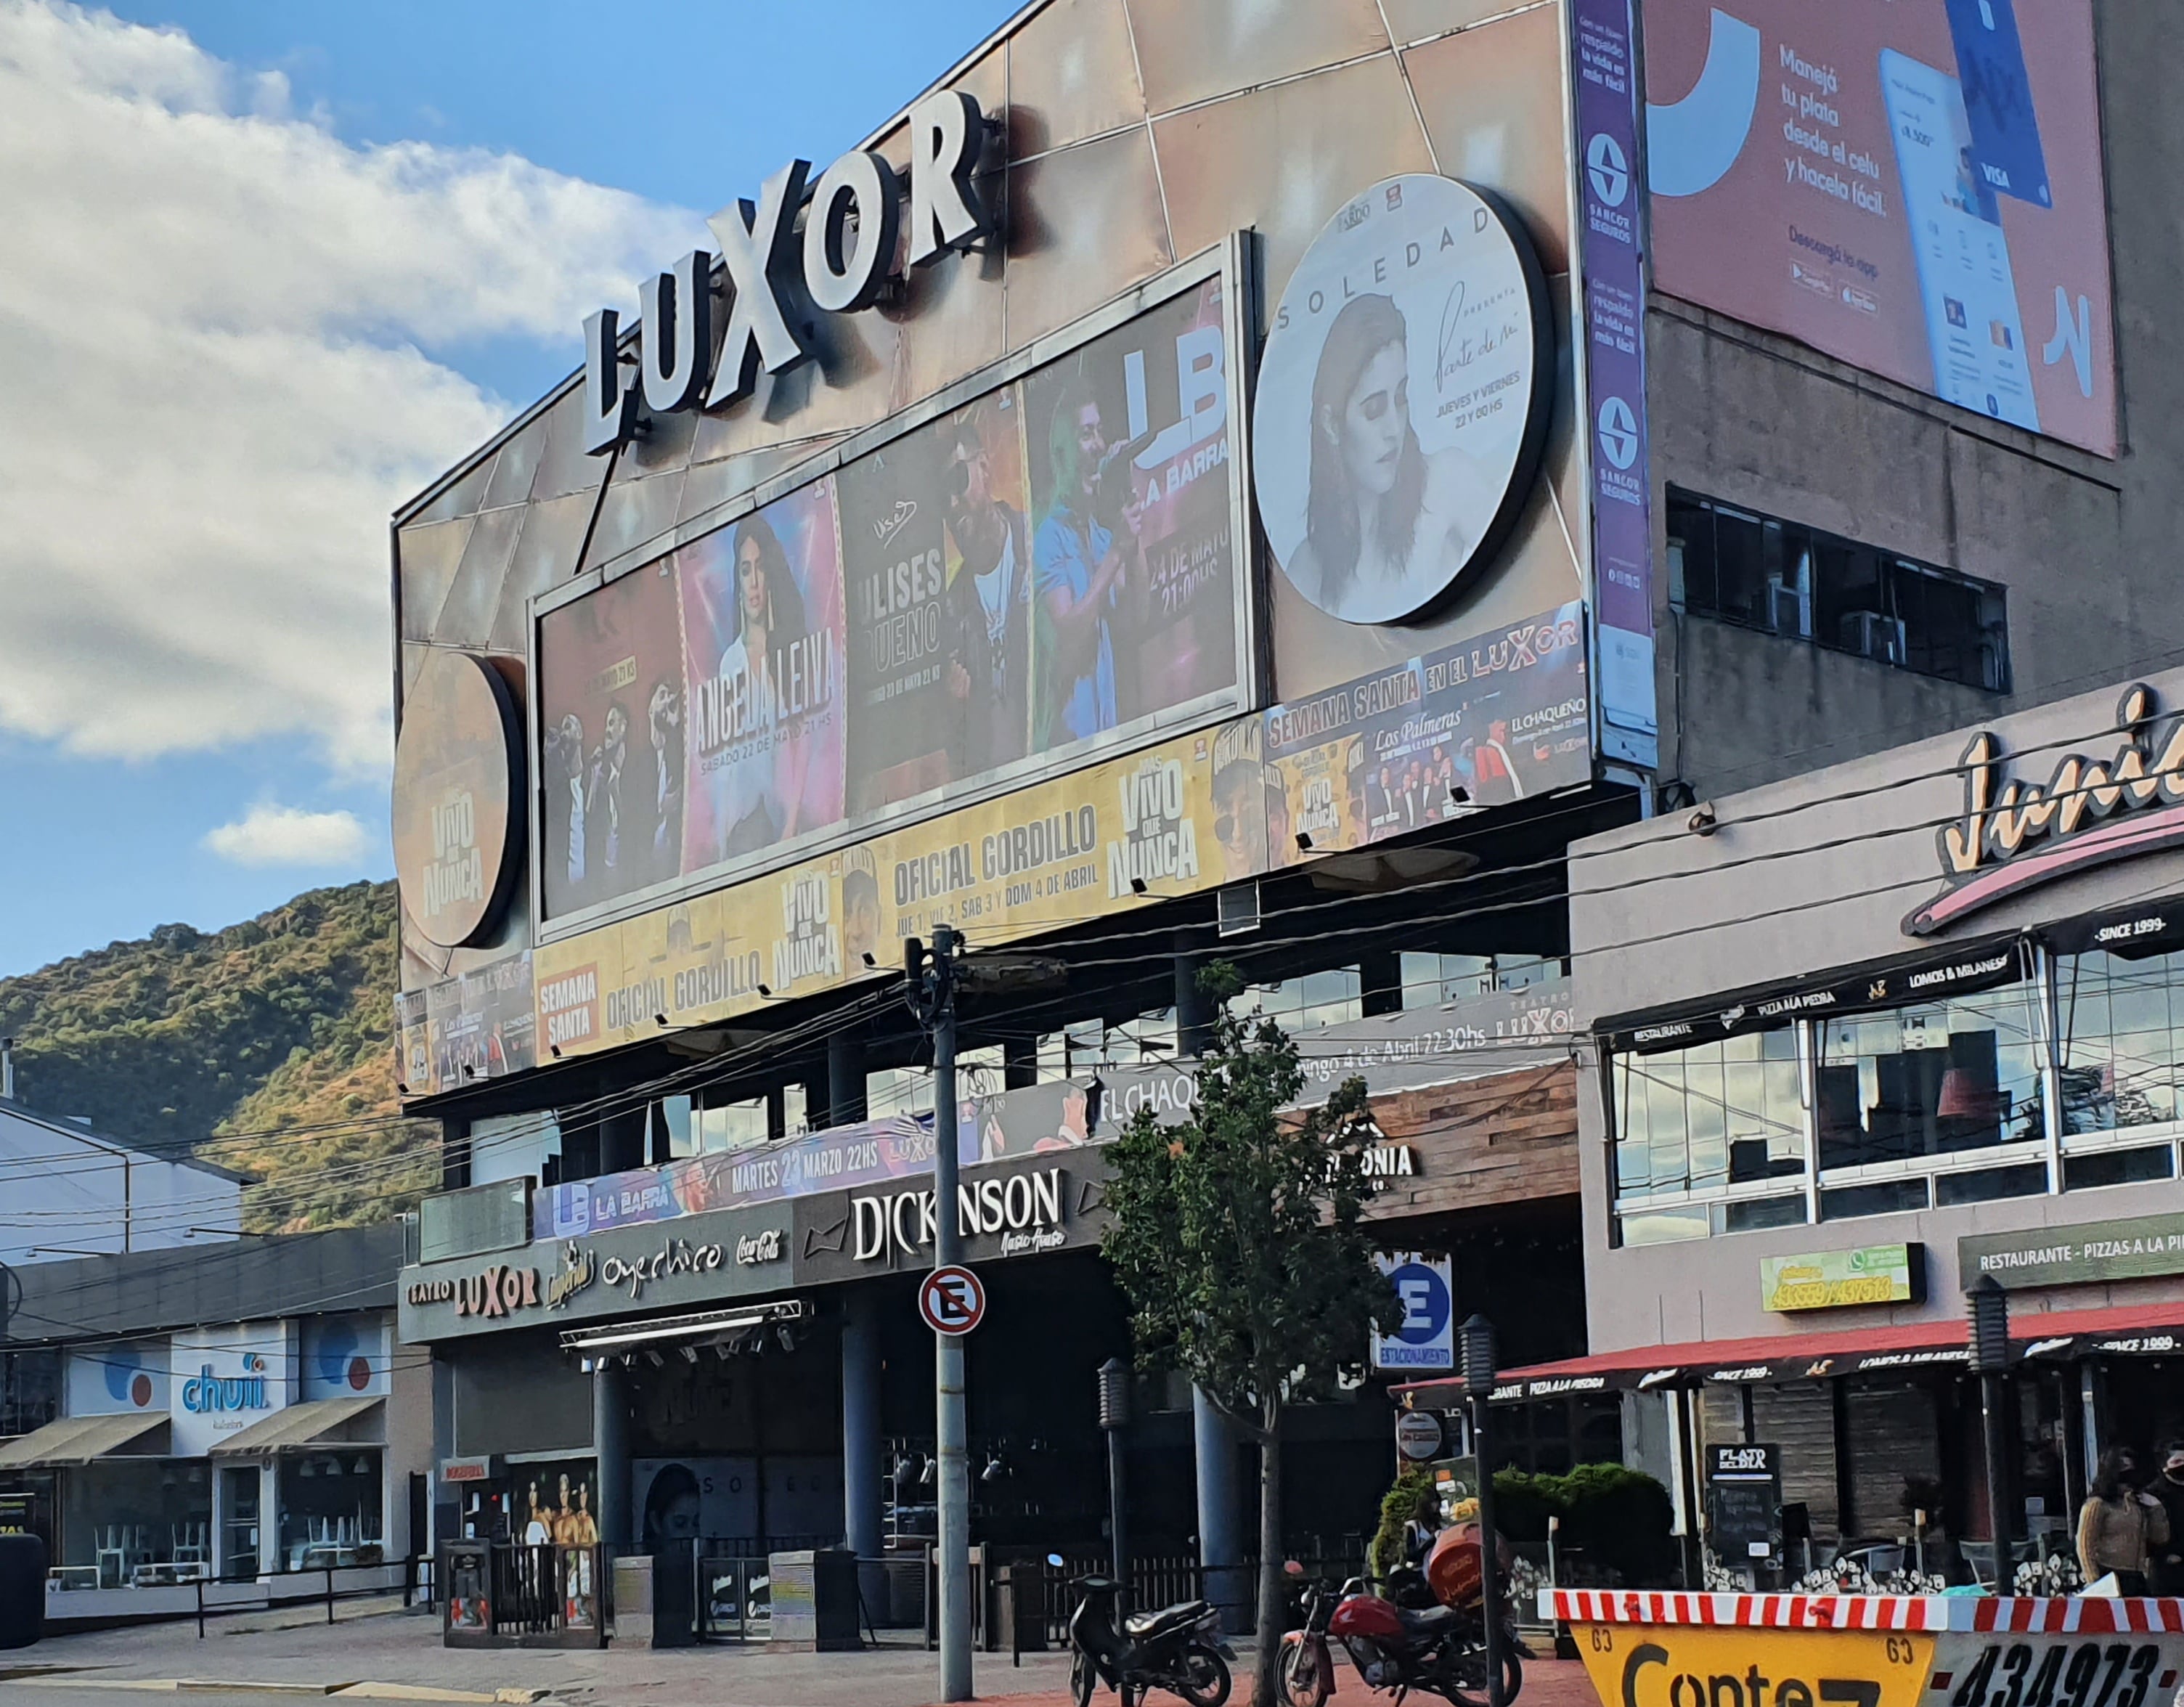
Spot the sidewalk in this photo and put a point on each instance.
(403, 1650)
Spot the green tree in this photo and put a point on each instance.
(1237, 1238)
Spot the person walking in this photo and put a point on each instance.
(2121, 1528)
(2168, 1488)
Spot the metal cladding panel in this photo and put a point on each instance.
(563, 466)
(1285, 158)
(662, 448)
(1088, 225)
(463, 498)
(430, 557)
(1203, 48)
(1492, 102)
(516, 466)
(465, 617)
(635, 516)
(1413, 20)
(149, 1291)
(545, 556)
(1073, 74)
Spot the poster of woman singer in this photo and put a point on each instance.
(1402, 400)
(762, 640)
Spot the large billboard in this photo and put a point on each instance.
(1017, 582)
(1914, 187)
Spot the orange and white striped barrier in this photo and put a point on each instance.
(1647, 1648)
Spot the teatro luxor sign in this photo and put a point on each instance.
(2015, 836)
(842, 262)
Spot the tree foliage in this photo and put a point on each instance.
(1236, 1237)
(241, 1046)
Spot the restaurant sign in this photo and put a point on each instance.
(2092, 1250)
(2015, 835)
(1834, 1280)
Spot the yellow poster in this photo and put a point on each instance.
(1688, 1666)
(1188, 814)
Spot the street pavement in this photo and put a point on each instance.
(401, 1651)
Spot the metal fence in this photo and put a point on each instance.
(506, 1594)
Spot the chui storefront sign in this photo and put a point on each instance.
(207, 1392)
(842, 263)
(2015, 836)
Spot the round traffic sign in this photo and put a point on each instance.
(1418, 1435)
(952, 1300)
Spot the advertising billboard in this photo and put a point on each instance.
(1033, 576)
(1916, 188)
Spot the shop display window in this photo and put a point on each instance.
(1933, 1079)
(331, 1503)
(121, 1514)
(1714, 1115)
(2120, 1029)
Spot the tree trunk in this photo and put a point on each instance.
(1267, 1661)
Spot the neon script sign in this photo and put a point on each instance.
(2016, 835)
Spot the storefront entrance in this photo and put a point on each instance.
(239, 1498)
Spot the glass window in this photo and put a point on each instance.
(329, 1508)
(1317, 999)
(1431, 979)
(1990, 1185)
(1761, 572)
(1882, 1198)
(676, 1129)
(731, 1125)
(1929, 1080)
(1716, 1114)
(2122, 1026)
(898, 1090)
(2119, 1168)
(1665, 1226)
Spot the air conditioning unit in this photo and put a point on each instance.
(1785, 609)
(1872, 635)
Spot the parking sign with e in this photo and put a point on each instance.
(1424, 1336)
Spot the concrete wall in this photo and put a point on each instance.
(1800, 877)
(2084, 545)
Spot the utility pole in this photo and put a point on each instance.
(933, 992)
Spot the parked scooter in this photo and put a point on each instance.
(1178, 1649)
(1425, 1632)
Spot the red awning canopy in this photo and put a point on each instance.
(2050, 1336)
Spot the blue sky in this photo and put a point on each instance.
(193, 660)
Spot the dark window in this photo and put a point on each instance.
(1796, 581)
(1990, 1185)
(1749, 1214)
(1884, 1197)
(2118, 1168)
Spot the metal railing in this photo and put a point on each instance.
(472, 1221)
(418, 1576)
(505, 1594)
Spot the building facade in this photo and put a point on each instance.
(232, 1415)
(1209, 480)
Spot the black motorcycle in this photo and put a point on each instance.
(1178, 1649)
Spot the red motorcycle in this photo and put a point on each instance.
(1427, 1631)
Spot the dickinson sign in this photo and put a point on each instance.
(844, 261)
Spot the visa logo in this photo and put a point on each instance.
(1996, 175)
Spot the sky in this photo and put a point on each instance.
(270, 267)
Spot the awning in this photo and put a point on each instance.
(316, 1422)
(79, 1440)
(2047, 1337)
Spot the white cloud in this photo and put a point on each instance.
(211, 316)
(268, 835)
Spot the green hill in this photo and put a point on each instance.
(266, 1047)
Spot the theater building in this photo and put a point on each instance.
(1202, 480)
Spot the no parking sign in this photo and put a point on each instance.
(1425, 1337)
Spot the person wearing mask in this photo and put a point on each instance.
(2168, 1488)
(2121, 1528)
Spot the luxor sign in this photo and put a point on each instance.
(843, 261)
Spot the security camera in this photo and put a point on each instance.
(1703, 823)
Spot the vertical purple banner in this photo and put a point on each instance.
(1603, 67)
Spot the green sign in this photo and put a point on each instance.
(1831, 1279)
(2120, 1249)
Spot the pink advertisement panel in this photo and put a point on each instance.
(1913, 186)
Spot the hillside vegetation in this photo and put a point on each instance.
(267, 1047)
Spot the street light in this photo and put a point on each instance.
(1475, 1350)
(1989, 1336)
